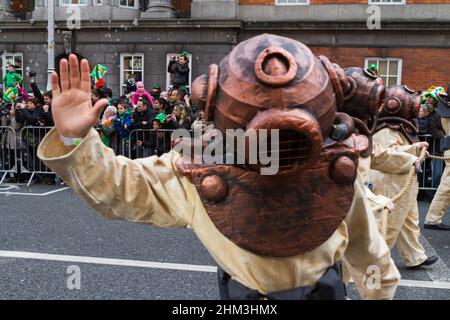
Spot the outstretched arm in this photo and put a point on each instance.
(147, 191)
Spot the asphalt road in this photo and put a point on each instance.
(42, 229)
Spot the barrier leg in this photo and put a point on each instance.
(3, 178)
(31, 179)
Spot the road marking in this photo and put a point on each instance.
(424, 284)
(170, 266)
(421, 284)
(9, 188)
(107, 261)
(33, 194)
(439, 270)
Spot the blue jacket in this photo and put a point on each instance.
(119, 124)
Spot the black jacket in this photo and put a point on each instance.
(48, 118)
(180, 72)
(139, 117)
(158, 142)
(436, 129)
(423, 124)
(30, 118)
(37, 93)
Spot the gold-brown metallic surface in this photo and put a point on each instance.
(400, 102)
(280, 217)
(214, 188)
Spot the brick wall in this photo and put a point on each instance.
(182, 7)
(422, 67)
(272, 2)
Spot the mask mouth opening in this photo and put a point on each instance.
(294, 149)
(292, 139)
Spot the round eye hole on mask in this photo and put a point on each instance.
(275, 67)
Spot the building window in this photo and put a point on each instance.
(131, 66)
(387, 2)
(15, 59)
(5, 5)
(291, 2)
(169, 76)
(129, 3)
(73, 2)
(98, 2)
(389, 69)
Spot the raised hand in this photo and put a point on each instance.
(72, 108)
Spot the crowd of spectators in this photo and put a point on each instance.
(125, 125)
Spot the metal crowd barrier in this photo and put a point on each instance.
(432, 169)
(143, 143)
(149, 142)
(30, 137)
(8, 151)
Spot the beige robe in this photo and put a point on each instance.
(377, 204)
(152, 191)
(391, 165)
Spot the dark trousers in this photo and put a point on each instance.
(329, 287)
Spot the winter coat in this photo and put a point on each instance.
(135, 97)
(119, 125)
(180, 73)
(11, 78)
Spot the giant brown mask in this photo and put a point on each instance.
(400, 106)
(271, 82)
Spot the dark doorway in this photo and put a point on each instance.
(65, 56)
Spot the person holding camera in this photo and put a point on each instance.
(179, 69)
(44, 99)
(12, 137)
(130, 84)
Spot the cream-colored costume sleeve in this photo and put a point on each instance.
(392, 154)
(144, 190)
(377, 202)
(367, 252)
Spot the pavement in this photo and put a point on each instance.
(53, 246)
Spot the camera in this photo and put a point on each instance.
(29, 73)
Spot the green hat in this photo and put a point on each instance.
(161, 117)
(155, 86)
(184, 54)
(374, 69)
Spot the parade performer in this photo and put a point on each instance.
(276, 236)
(364, 114)
(397, 136)
(441, 199)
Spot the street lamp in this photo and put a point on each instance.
(50, 41)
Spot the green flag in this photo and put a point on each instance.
(10, 94)
(98, 73)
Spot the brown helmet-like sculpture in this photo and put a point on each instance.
(401, 102)
(401, 105)
(271, 82)
(279, 79)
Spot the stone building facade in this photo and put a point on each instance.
(139, 36)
